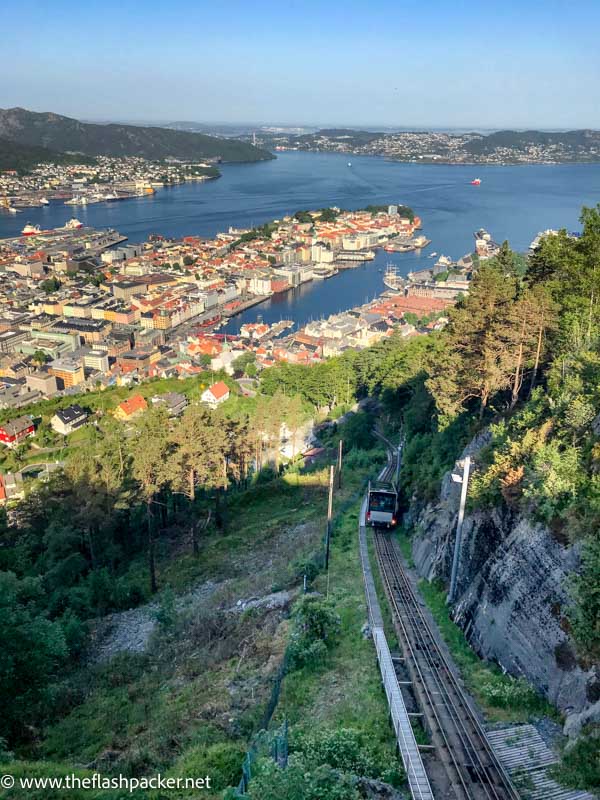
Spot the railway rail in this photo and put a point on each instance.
(471, 764)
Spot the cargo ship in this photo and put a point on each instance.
(31, 230)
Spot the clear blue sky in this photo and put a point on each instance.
(459, 63)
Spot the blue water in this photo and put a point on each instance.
(513, 203)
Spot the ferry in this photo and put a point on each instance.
(73, 224)
(31, 230)
(476, 182)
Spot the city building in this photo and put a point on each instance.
(68, 372)
(43, 382)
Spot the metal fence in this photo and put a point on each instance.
(266, 743)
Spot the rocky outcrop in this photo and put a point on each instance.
(512, 595)
(372, 789)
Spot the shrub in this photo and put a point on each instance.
(580, 764)
(297, 782)
(74, 631)
(345, 749)
(508, 692)
(585, 617)
(166, 613)
(315, 628)
(221, 760)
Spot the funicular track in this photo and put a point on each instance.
(473, 769)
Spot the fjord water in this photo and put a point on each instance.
(513, 202)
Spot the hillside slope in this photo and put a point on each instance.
(22, 157)
(66, 134)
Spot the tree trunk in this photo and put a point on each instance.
(220, 508)
(151, 547)
(192, 496)
(483, 404)
(163, 512)
(90, 537)
(537, 358)
(518, 379)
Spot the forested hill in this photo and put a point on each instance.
(578, 141)
(23, 157)
(66, 134)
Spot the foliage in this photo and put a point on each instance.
(50, 285)
(585, 617)
(579, 767)
(33, 649)
(315, 629)
(297, 782)
(344, 749)
(23, 157)
(243, 362)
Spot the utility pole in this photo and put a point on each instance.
(329, 516)
(461, 515)
(339, 464)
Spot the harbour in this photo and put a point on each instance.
(514, 202)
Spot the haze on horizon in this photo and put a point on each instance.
(530, 64)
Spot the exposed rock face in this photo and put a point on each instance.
(371, 789)
(512, 595)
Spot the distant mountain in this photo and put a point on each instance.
(66, 134)
(23, 157)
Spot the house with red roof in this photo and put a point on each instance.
(131, 407)
(216, 394)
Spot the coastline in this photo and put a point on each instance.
(441, 161)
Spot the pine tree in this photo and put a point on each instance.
(197, 458)
(150, 448)
(478, 361)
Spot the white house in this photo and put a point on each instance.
(67, 420)
(216, 394)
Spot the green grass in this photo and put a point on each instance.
(345, 690)
(404, 542)
(192, 703)
(105, 401)
(502, 697)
